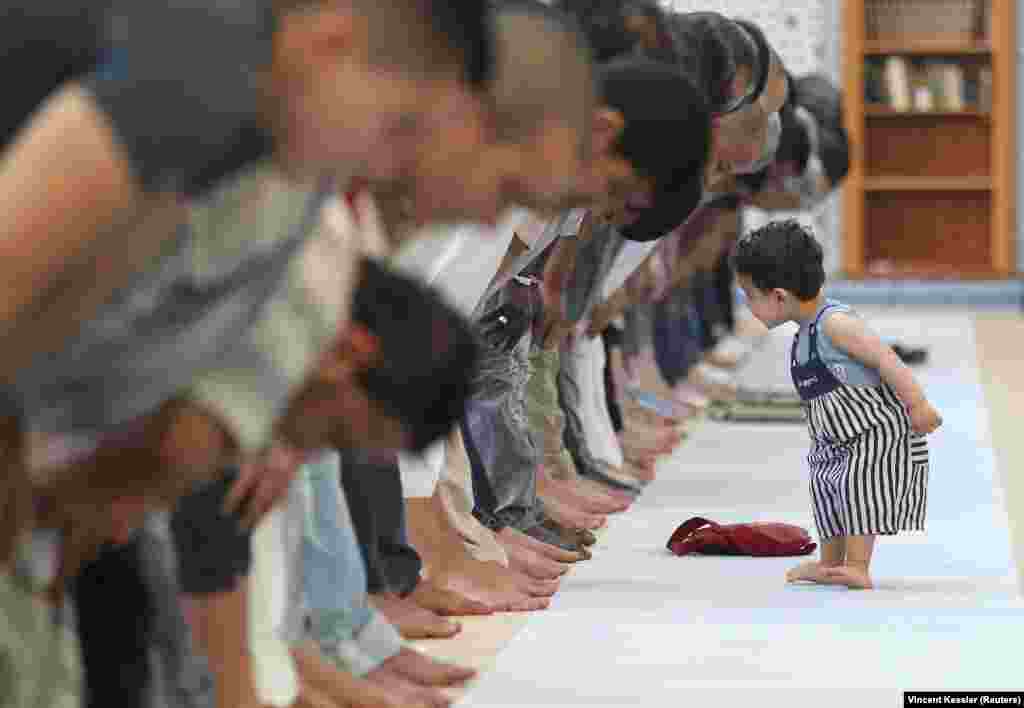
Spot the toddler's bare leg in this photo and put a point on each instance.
(853, 573)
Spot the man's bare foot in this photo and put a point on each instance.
(639, 447)
(715, 383)
(595, 487)
(642, 471)
(616, 474)
(411, 620)
(422, 670)
(545, 533)
(730, 352)
(569, 516)
(560, 464)
(344, 689)
(654, 435)
(641, 458)
(689, 395)
(407, 692)
(581, 537)
(634, 414)
(533, 563)
(510, 536)
(444, 602)
(511, 578)
(647, 432)
(615, 502)
(570, 493)
(500, 588)
(855, 577)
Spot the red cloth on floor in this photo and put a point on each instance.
(698, 535)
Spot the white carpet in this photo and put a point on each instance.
(639, 627)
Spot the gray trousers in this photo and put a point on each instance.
(507, 454)
(497, 418)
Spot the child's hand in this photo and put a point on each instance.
(924, 419)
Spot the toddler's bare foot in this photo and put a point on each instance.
(855, 577)
(809, 572)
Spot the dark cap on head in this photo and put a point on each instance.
(427, 353)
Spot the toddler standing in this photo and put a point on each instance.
(866, 413)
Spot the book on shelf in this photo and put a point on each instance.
(923, 86)
(898, 83)
(927, 91)
(874, 83)
(924, 97)
(946, 82)
(951, 80)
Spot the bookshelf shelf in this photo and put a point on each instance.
(927, 47)
(926, 271)
(930, 192)
(882, 111)
(927, 184)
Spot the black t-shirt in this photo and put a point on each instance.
(178, 80)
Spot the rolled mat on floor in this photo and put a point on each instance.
(769, 395)
(739, 412)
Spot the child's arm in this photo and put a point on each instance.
(850, 336)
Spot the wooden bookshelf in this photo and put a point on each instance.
(930, 193)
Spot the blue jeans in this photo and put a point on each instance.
(334, 575)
